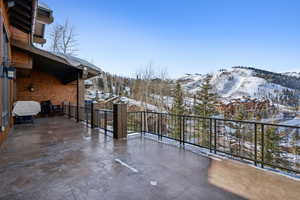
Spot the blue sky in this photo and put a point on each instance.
(186, 36)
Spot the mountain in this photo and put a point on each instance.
(294, 74)
(239, 82)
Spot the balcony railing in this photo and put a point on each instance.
(101, 118)
(263, 144)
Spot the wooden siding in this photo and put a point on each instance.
(21, 60)
(18, 35)
(47, 87)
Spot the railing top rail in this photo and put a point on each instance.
(104, 110)
(227, 120)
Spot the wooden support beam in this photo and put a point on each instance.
(20, 12)
(20, 26)
(120, 121)
(24, 4)
(21, 20)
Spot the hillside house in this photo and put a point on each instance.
(29, 73)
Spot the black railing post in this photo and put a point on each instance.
(262, 145)
(77, 113)
(69, 109)
(157, 125)
(145, 122)
(97, 119)
(255, 144)
(77, 97)
(210, 134)
(215, 136)
(92, 115)
(86, 111)
(179, 118)
(142, 123)
(160, 125)
(183, 131)
(105, 122)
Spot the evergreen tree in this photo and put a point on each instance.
(295, 146)
(206, 99)
(272, 148)
(205, 106)
(241, 130)
(178, 109)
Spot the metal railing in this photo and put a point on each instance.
(99, 118)
(264, 144)
(134, 122)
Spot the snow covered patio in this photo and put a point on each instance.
(57, 158)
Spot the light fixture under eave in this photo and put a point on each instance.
(11, 4)
(85, 72)
(30, 88)
(11, 72)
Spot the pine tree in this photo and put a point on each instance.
(272, 148)
(295, 147)
(205, 106)
(178, 109)
(241, 131)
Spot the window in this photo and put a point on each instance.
(5, 80)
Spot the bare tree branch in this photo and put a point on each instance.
(63, 39)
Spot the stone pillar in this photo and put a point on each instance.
(120, 120)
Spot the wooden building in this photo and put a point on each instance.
(29, 73)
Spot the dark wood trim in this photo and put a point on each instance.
(19, 12)
(21, 20)
(24, 5)
(21, 15)
(20, 26)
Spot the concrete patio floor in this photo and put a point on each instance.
(57, 158)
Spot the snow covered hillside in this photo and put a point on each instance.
(294, 74)
(241, 82)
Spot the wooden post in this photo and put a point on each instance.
(120, 121)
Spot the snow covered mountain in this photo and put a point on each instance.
(239, 82)
(294, 74)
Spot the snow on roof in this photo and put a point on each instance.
(141, 104)
(75, 61)
(44, 6)
(88, 82)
